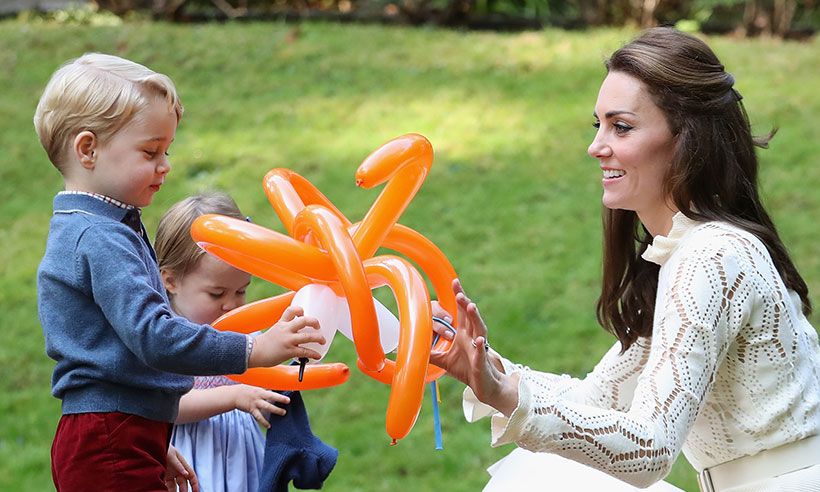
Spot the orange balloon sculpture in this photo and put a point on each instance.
(324, 247)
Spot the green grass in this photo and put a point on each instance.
(512, 198)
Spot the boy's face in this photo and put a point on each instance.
(132, 165)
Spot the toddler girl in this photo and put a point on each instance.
(216, 430)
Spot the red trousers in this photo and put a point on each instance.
(109, 452)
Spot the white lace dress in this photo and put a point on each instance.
(732, 368)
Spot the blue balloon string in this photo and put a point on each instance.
(436, 419)
(434, 390)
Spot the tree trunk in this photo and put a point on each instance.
(783, 16)
(648, 13)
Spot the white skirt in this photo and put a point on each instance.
(523, 470)
(225, 451)
(805, 480)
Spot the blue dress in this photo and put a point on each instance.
(226, 450)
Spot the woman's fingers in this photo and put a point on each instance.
(443, 330)
(440, 312)
(457, 286)
(478, 325)
(439, 358)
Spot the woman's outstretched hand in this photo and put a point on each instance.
(469, 359)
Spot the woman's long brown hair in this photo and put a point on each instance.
(713, 175)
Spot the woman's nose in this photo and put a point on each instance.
(598, 148)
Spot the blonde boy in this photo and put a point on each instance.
(123, 359)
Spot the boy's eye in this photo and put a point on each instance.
(215, 295)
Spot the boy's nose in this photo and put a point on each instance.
(164, 166)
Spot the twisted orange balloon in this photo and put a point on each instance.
(324, 247)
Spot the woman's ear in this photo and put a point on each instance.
(85, 147)
(169, 280)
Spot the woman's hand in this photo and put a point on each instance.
(178, 473)
(258, 402)
(469, 359)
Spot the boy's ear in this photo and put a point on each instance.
(169, 280)
(85, 147)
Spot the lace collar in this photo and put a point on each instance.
(662, 247)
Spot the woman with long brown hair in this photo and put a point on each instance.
(715, 356)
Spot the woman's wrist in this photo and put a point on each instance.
(507, 400)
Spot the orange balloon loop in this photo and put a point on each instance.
(259, 242)
(289, 193)
(349, 269)
(404, 161)
(323, 247)
(416, 335)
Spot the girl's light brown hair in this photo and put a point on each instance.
(712, 176)
(176, 251)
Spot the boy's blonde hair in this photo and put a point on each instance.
(99, 93)
(176, 251)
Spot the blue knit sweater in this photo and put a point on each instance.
(107, 321)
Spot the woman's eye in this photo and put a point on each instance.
(621, 128)
(596, 125)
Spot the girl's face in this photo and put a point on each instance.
(634, 147)
(209, 290)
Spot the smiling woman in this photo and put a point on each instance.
(715, 356)
(635, 147)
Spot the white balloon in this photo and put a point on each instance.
(388, 326)
(320, 302)
(333, 313)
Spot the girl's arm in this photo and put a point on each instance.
(200, 404)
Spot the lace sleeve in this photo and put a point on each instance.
(703, 299)
(610, 385)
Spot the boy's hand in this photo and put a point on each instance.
(284, 339)
(258, 402)
(178, 473)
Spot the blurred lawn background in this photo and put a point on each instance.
(512, 198)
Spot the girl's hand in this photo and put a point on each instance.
(258, 402)
(178, 473)
(470, 361)
(284, 339)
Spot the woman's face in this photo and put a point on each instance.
(634, 147)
